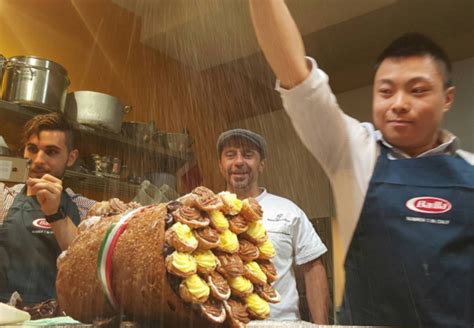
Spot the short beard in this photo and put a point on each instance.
(242, 186)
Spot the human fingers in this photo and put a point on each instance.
(39, 184)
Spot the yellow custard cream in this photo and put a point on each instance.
(185, 234)
(233, 205)
(255, 269)
(205, 259)
(228, 241)
(196, 286)
(256, 230)
(219, 220)
(257, 305)
(184, 262)
(240, 283)
(267, 249)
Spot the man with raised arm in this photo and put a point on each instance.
(403, 188)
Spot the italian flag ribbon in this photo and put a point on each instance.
(107, 246)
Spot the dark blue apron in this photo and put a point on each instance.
(406, 267)
(28, 249)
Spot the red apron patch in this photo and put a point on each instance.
(42, 224)
(426, 204)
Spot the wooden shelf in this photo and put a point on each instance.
(99, 186)
(18, 114)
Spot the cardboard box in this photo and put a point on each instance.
(14, 169)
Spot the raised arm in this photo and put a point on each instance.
(280, 40)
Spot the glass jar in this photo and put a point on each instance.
(116, 162)
(97, 162)
(106, 165)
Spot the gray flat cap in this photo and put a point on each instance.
(251, 136)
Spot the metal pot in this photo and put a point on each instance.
(2, 63)
(141, 131)
(96, 109)
(35, 82)
(178, 142)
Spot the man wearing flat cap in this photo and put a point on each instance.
(242, 157)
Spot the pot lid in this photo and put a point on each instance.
(38, 62)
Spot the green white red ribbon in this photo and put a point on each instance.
(107, 246)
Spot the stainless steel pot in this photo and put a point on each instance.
(2, 63)
(35, 82)
(140, 131)
(96, 109)
(178, 142)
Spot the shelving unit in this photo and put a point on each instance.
(140, 157)
(20, 114)
(100, 185)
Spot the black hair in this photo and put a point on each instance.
(416, 44)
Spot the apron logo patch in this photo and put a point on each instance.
(42, 224)
(431, 205)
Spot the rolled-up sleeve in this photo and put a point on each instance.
(83, 203)
(318, 120)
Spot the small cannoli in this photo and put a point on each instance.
(180, 237)
(207, 238)
(181, 264)
(257, 307)
(256, 233)
(191, 217)
(238, 225)
(267, 251)
(237, 315)
(251, 209)
(229, 242)
(213, 310)
(240, 286)
(269, 269)
(268, 293)
(218, 221)
(206, 261)
(247, 251)
(220, 288)
(194, 290)
(232, 205)
(230, 265)
(206, 199)
(254, 273)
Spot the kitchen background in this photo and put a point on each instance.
(194, 65)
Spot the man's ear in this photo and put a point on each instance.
(72, 157)
(262, 165)
(449, 99)
(221, 168)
